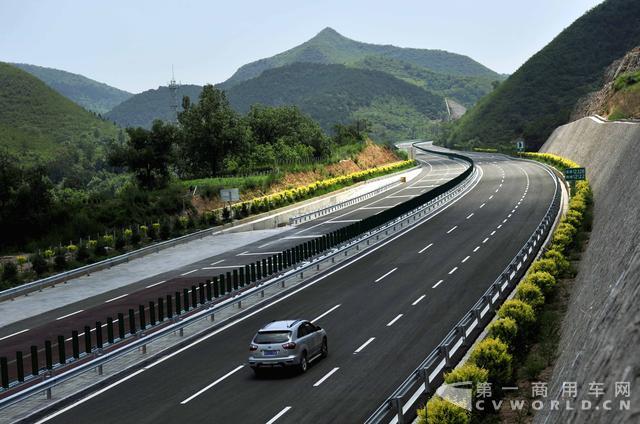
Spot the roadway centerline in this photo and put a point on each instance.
(201, 391)
(476, 249)
(470, 215)
(418, 300)
(491, 197)
(390, 323)
(437, 284)
(278, 415)
(499, 226)
(485, 240)
(188, 272)
(14, 334)
(155, 284)
(217, 262)
(327, 375)
(363, 345)
(455, 268)
(68, 315)
(466, 259)
(452, 229)
(482, 205)
(493, 233)
(385, 275)
(425, 248)
(325, 313)
(116, 298)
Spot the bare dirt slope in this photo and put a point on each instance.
(601, 333)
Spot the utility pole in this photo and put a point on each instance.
(173, 90)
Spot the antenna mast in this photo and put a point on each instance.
(173, 90)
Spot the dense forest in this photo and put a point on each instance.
(92, 95)
(542, 93)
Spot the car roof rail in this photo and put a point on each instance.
(294, 323)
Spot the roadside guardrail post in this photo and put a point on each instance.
(19, 366)
(75, 344)
(48, 354)
(62, 354)
(87, 339)
(216, 287)
(110, 337)
(424, 373)
(143, 318)
(132, 322)
(120, 325)
(4, 370)
(185, 299)
(269, 265)
(201, 293)
(241, 277)
(160, 309)
(397, 404)
(98, 334)
(152, 313)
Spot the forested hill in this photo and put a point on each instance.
(92, 95)
(336, 94)
(329, 47)
(142, 109)
(36, 120)
(543, 92)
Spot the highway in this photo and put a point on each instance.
(384, 311)
(35, 330)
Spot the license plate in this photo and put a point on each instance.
(269, 352)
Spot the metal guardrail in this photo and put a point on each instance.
(330, 209)
(46, 381)
(430, 373)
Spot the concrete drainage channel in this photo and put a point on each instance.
(59, 385)
(398, 408)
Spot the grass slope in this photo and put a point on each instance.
(142, 109)
(329, 47)
(92, 95)
(35, 119)
(334, 93)
(542, 93)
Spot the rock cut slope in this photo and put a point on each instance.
(601, 331)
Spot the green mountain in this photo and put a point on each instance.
(465, 90)
(92, 95)
(142, 109)
(334, 94)
(540, 95)
(35, 119)
(329, 47)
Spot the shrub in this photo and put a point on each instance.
(530, 294)
(468, 372)
(545, 265)
(107, 240)
(135, 237)
(519, 311)
(39, 264)
(492, 355)
(48, 254)
(121, 242)
(440, 411)
(545, 281)
(60, 261)
(127, 233)
(165, 230)
(99, 249)
(563, 264)
(504, 329)
(83, 253)
(9, 272)
(21, 260)
(72, 248)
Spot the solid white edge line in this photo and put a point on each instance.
(327, 375)
(14, 334)
(385, 275)
(116, 298)
(278, 415)
(257, 311)
(393, 321)
(363, 345)
(418, 300)
(68, 315)
(201, 391)
(325, 313)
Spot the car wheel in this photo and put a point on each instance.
(303, 363)
(324, 351)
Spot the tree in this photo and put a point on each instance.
(211, 131)
(147, 154)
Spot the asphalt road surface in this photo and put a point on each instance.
(387, 309)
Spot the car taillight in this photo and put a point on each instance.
(253, 347)
(290, 345)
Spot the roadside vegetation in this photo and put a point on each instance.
(165, 182)
(521, 343)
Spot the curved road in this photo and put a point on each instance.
(384, 312)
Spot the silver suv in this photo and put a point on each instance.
(292, 343)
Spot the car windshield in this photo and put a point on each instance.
(272, 337)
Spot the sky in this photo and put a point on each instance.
(133, 44)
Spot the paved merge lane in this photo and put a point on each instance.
(62, 321)
(377, 335)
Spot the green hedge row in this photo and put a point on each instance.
(492, 359)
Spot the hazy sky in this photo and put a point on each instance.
(132, 44)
